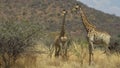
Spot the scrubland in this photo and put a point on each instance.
(40, 57)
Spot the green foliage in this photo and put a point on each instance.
(15, 38)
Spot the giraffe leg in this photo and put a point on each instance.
(90, 40)
(57, 51)
(91, 54)
(107, 51)
(61, 49)
(65, 51)
(91, 47)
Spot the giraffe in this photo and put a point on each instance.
(94, 36)
(61, 39)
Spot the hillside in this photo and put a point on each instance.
(47, 14)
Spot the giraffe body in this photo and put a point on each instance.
(61, 40)
(98, 37)
(93, 35)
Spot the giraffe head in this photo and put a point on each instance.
(64, 12)
(76, 8)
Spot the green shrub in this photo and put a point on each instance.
(15, 38)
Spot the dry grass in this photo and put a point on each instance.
(77, 58)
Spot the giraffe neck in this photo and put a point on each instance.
(62, 33)
(88, 26)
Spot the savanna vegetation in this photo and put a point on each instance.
(28, 28)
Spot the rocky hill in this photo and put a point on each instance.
(47, 13)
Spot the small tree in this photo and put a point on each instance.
(14, 39)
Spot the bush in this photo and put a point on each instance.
(15, 38)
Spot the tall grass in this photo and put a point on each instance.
(77, 58)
